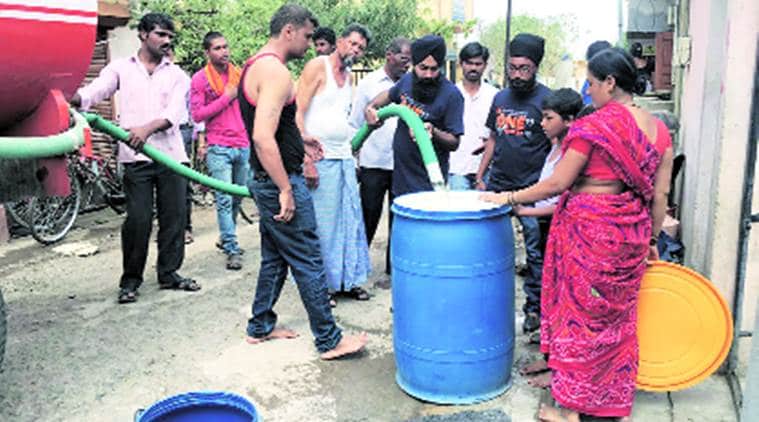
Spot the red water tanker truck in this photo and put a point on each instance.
(47, 48)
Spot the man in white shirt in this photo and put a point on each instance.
(478, 97)
(376, 156)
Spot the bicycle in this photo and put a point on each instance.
(201, 194)
(50, 218)
(248, 210)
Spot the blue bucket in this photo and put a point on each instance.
(200, 407)
(453, 297)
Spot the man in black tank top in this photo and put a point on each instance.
(287, 223)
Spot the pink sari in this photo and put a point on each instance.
(594, 262)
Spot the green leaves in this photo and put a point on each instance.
(245, 23)
(558, 31)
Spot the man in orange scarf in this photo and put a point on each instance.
(213, 100)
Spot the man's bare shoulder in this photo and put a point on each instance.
(268, 69)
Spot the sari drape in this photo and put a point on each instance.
(594, 261)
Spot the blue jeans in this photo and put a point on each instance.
(532, 283)
(461, 181)
(294, 245)
(230, 165)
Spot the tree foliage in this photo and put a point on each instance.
(559, 32)
(245, 23)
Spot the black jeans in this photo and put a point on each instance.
(534, 279)
(141, 179)
(373, 185)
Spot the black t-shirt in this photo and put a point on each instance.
(521, 146)
(446, 113)
(288, 137)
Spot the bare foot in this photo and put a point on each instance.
(540, 381)
(276, 334)
(534, 367)
(347, 346)
(552, 414)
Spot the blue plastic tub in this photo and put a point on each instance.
(201, 406)
(453, 297)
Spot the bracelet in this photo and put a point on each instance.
(510, 198)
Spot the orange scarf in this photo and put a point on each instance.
(214, 78)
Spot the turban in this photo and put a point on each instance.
(527, 45)
(428, 45)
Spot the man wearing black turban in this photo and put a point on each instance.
(438, 103)
(516, 151)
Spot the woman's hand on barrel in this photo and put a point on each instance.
(496, 198)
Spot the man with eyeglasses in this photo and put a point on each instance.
(376, 157)
(516, 151)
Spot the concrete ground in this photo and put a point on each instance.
(73, 354)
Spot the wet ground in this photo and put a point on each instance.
(73, 354)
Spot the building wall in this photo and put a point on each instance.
(715, 120)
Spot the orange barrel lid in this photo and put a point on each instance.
(684, 328)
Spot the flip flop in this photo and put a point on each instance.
(127, 296)
(357, 293)
(181, 283)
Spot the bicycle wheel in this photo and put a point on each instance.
(114, 188)
(52, 217)
(248, 210)
(19, 211)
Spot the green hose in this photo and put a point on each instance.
(423, 140)
(30, 147)
(411, 119)
(120, 134)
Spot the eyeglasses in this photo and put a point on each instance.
(523, 69)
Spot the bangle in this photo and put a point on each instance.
(514, 198)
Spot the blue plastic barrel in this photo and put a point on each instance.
(453, 297)
(200, 407)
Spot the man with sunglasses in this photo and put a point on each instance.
(152, 104)
(516, 150)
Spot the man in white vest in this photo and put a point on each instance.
(324, 100)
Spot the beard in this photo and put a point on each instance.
(522, 87)
(473, 76)
(425, 89)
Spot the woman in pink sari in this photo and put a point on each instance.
(614, 176)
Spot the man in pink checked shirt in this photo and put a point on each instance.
(213, 100)
(151, 104)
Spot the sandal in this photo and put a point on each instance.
(220, 247)
(357, 293)
(181, 283)
(127, 296)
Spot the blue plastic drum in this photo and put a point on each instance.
(200, 406)
(453, 297)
